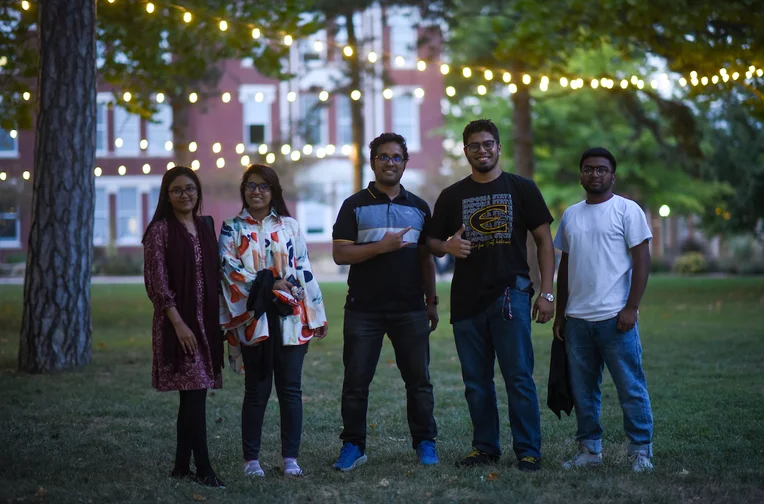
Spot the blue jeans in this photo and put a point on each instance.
(591, 346)
(479, 340)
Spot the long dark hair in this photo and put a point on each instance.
(272, 179)
(164, 207)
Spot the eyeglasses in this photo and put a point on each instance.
(177, 192)
(475, 146)
(600, 170)
(396, 159)
(251, 186)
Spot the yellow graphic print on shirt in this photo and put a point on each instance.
(488, 220)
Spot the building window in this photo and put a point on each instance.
(344, 120)
(159, 131)
(257, 102)
(405, 117)
(153, 202)
(101, 217)
(128, 215)
(312, 124)
(102, 128)
(340, 36)
(404, 37)
(10, 228)
(127, 127)
(312, 50)
(9, 146)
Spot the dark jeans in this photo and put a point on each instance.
(491, 335)
(287, 370)
(410, 335)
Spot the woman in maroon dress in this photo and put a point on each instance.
(181, 276)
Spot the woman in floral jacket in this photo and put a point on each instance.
(271, 308)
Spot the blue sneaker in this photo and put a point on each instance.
(427, 453)
(350, 457)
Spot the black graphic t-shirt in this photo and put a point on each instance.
(497, 217)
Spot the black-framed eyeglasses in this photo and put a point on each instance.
(475, 146)
(177, 191)
(396, 159)
(251, 186)
(601, 171)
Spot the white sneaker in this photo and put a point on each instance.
(291, 469)
(584, 458)
(640, 462)
(252, 468)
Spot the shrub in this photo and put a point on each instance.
(690, 263)
(118, 265)
(660, 265)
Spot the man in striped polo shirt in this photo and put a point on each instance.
(391, 290)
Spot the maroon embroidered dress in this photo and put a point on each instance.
(195, 371)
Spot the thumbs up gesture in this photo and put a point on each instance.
(458, 246)
(393, 241)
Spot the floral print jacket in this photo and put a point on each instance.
(248, 246)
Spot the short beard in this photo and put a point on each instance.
(387, 183)
(602, 189)
(485, 168)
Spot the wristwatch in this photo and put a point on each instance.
(434, 301)
(549, 297)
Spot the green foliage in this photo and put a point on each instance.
(735, 143)
(148, 53)
(18, 65)
(690, 263)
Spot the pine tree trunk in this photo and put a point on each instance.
(180, 132)
(523, 149)
(56, 329)
(356, 107)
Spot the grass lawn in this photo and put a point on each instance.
(103, 435)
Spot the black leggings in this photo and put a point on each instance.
(192, 433)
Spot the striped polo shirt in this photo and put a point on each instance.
(390, 282)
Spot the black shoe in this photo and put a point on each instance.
(529, 464)
(210, 480)
(476, 458)
(181, 473)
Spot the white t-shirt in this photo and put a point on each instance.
(597, 239)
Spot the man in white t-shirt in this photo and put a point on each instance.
(602, 276)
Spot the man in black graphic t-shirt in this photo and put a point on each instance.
(483, 221)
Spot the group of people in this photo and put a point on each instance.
(253, 289)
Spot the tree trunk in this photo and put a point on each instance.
(356, 107)
(180, 131)
(56, 329)
(523, 150)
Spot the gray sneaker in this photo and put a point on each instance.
(584, 458)
(640, 462)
